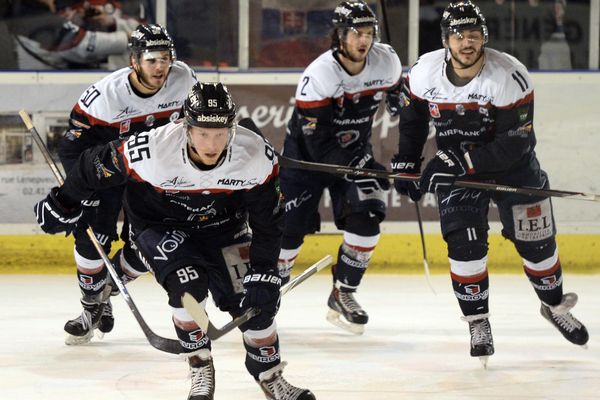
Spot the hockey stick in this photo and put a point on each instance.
(201, 317)
(342, 170)
(425, 262)
(158, 342)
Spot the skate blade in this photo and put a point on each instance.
(338, 320)
(71, 340)
(98, 334)
(484, 361)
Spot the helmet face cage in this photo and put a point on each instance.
(350, 15)
(150, 38)
(462, 15)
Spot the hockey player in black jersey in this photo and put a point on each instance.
(480, 102)
(148, 94)
(336, 100)
(206, 213)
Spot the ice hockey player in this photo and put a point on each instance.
(480, 102)
(336, 100)
(194, 192)
(146, 95)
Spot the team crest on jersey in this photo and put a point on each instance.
(378, 96)
(356, 98)
(346, 138)
(434, 110)
(460, 110)
(173, 117)
(150, 120)
(124, 126)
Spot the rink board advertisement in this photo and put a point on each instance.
(566, 147)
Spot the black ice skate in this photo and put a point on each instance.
(342, 303)
(81, 329)
(559, 316)
(277, 388)
(482, 342)
(202, 373)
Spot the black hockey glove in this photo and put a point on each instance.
(442, 170)
(404, 164)
(53, 217)
(397, 97)
(368, 185)
(261, 290)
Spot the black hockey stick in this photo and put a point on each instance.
(158, 342)
(201, 317)
(342, 170)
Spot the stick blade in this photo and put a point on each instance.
(196, 311)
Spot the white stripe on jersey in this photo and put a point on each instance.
(503, 81)
(166, 164)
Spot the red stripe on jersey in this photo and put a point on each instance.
(525, 100)
(92, 120)
(140, 118)
(467, 106)
(545, 272)
(313, 104)
(368, 92)
(274, 173)
(469, 279)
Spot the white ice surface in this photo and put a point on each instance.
(414, 347)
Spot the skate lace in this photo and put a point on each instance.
(85, 319)
(281, 389)
(202, 380)
(567, 321)
(107, 309)
(481, 333)
(349, 302)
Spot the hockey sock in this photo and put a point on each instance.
(192, 340)
(263, 358)
(472, 293)
(351, 264)
(547, 283)
(92, 284)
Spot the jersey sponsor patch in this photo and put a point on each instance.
(533, 222)
(434, 110)
(124, 126)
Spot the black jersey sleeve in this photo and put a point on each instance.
(97, 168)
(265, 217)
(413, 125)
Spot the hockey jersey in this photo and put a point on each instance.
(110, 109)
(491, 117)
(164, 187)
(334, 110)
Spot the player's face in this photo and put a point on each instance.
(207, 143)
(358, 42)
(466, 47)
(154, 68)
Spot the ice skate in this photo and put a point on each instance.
(482, 342)
(202, 373)
(81, 329)
(344, 310)
(569, 326)
(276, 387)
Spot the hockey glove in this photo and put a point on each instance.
(397, 97)
(404, 164)
(368, 185)
(261, 290)
(53, 217)
(442, 170)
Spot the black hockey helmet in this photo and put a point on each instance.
(209, 105)
(461, 15)
(149, 38)
(351, 15)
